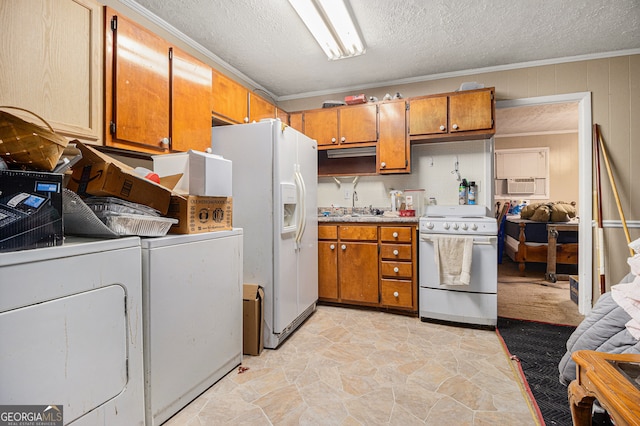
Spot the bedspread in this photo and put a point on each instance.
(602, 330)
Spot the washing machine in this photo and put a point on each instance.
(71, 330)
(192, 304)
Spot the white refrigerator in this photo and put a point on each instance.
(275, 170)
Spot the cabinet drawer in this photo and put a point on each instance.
(395, 251)
(396, 293)
(396, 233)
(396, 269)
(326, 232)
(360, 233)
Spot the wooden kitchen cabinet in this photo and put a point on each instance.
(452, 116)
(259, 108)
(229, 100)
(295, 121)
(328, 262)
(137, 87)
(357, 263)
(190, 103)
(398, 267)
(322, 125)
(394, 151)
(49, 69)
(157, 97)
(339, 126)
(368, 265)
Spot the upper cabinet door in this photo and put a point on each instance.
(51, 64)
(137, 84)
(428, 115)
(358, 124)
(322, 125)
(228, 99)
(295, 121)
(470, 111)
(190, 103)
(259, 108)
(393, 144)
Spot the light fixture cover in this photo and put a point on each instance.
(331, 24)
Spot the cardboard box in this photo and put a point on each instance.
(173, 164)
(209, 175)
(252, 319)
(573, 288)
(99, 174)
(30, 210)
(200, 214)
(203, 174)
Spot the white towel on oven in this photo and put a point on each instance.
(453, 255)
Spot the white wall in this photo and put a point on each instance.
(432, 167)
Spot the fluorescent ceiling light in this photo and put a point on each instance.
(329, 21)
(366, 151)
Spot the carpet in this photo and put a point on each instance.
(539, 348)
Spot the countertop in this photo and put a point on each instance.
(368, 219)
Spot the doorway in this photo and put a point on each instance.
(584, 158)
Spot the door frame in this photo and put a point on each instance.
(585, 187)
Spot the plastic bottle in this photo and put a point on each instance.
(462, 192)
(473, 189)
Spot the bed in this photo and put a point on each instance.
(543, 242)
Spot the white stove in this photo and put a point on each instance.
(441, 299)
(458, 220)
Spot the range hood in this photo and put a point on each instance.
(366, 151)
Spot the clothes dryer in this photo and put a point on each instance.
(71, 330)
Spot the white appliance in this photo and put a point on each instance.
(476, 303)
(275, 202)
(192, 316)
(71, 330)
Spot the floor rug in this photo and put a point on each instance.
(539, 348)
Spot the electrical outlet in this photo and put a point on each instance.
(347, 194)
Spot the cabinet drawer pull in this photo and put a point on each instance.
(395, 252)
(343, 139)
(455, 127)
(396, 269)
(395, 235)
(332, 246)
(442, 128)
(333, 140)
(396, 294)
(383, 165)
(343, 247)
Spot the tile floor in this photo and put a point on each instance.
(356, 367)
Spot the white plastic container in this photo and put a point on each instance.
(414, 200)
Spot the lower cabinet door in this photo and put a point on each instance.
(358, 272)
(327, 270)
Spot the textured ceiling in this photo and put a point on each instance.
(265, 41)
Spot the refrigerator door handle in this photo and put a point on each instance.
(302, 214)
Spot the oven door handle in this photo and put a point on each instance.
(490, 240)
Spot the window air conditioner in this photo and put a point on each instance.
(521, 186)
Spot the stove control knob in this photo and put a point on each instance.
(474, 227)
(429, 225)
(465, 226)
(455, 226)
(446, 225)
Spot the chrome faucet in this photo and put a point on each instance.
(354, 198)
